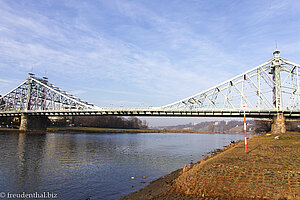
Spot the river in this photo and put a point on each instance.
(96, 166)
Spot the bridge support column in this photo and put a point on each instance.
(29, 122)
(278, 124)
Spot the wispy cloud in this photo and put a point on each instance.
(5, 81)
(77, 92)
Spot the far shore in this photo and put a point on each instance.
(106, 130)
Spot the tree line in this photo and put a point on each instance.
(84, 121)
(265, 126)
(100, 122)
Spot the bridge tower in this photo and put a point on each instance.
(278, 122)
(29, 122)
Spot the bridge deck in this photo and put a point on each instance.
(154, 113)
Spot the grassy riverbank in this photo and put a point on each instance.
(84, 130)
(270, 170)
(101, 130)
(98, 130)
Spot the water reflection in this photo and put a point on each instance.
(21, 158)
(98, 166)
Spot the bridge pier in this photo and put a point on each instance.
(29, 122)
(278, 124)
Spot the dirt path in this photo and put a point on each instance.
(270, 170)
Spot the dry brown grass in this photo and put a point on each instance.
(270, 170)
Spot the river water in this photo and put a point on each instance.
(96, 166)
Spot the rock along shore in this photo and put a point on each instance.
(270, 170)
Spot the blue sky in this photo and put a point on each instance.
(133, 53)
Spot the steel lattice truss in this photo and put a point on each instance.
(36, 94)
(272, 86)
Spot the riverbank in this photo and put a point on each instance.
(74, 130)
(270, 170)
(98, 130)
(101, 130)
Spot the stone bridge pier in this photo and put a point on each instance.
(278, 124)
(32, 122)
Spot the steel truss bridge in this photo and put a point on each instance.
(268, 89)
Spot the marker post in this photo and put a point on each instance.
(245, 127)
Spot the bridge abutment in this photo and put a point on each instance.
(29, 122)
(278, 124)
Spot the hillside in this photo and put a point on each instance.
(228, 126)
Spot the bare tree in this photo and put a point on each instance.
(109, 122)
(262, 126)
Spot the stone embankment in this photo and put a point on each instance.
(270, 170)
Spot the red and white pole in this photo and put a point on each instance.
(245, 130)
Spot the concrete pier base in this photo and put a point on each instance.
(278, 124)
(29, 122)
